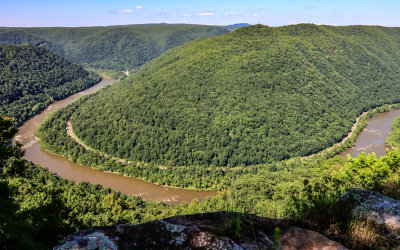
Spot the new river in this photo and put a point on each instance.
(78, 173)
(372, 137)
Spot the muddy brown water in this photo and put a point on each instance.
(78, 173)
(372, 137)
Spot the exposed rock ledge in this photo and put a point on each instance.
(380, 212)
(221, 230)
(370, 220)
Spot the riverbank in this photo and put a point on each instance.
(393, 140)
(373, 137)
(191, 178)
(64, 168)
(341, 148)
(333, 147)
(203, 178)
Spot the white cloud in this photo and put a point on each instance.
(187, 14)
(124, 11)
(229, 13)
(307, 13)
(256, 15)
(146, 14)
(164, 10)
(138, 7)
(206, 14)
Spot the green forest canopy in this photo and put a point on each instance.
(39, 209)
(31, 78)
(255, 95)
(114, 47)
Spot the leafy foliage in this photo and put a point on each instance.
(31, 78)
(368, 172)
(41, 208)
(53, 137)
(37, 208)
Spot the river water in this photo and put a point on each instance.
(373, 136)
(78, 173)
(371, 139)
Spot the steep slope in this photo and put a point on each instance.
(19, 37)
(256, 95)
(113, 47)
(31, 78)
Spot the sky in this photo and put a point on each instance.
(72, 13)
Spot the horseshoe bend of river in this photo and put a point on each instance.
(371, 139)
(64, 168)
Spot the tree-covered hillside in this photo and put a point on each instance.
(115, 47)
(38, 209)
(32, 77)
(255, 95)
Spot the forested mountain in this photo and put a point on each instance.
(32, 77)
(255, 95)
(38, 208)
(235, 26)
(115, 47)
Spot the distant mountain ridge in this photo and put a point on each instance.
(119, 48)
(239, 24)
(235, 26)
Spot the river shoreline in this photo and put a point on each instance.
(351, 139)
(66, 169)
(372, 139)
(129, 185)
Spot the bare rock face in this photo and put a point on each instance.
(380, 212)
(201, 231)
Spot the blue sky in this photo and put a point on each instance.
(273, 13)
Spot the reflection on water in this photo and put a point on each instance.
(71, 171)
(372, 138)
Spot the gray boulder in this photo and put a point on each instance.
(375, 212)
(220, 230)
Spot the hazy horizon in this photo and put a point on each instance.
(74, 13)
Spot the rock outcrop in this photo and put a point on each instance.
(378, 213)
(221, 230)
(362, 219)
